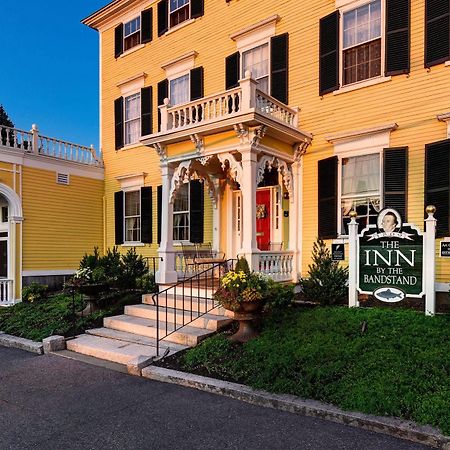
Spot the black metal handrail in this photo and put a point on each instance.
(150, 262)
(183, 290)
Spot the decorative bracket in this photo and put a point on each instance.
(161, 149)
(300, 149)
(258, 134)
(197, 141)
(235, 167)
(271, 162)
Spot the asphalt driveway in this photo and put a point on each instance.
(49, 402)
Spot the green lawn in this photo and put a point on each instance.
(399, 367)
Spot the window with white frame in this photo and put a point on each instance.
(132, 216)
(132, 33)
(132, 105)
(178, 11)
(362, 43)
(360, 190)
(257, 61)
(179, 90)
(181, 214)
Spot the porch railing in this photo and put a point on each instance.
(15, 138)
(6, 291)
(187, 300)
(276, 265)
(245, 98)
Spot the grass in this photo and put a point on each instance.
(399, 367)
(52, 316)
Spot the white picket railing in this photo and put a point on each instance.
(32, 142)
(245, 98)
(277, 265)
(6, 291)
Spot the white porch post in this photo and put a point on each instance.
(295, 224)
(248, 190)
(166, 273)
(430, 262)
(216, 216)
(353, 261)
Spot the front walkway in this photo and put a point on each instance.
(49, 402)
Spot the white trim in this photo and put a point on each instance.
(252, 35)
(130, 146)
(131, 50)
(43, 273)
(356, 134)
(442, 287)
(180, 25)
(14, 203)
(133, 244)
(362, 84)
(140, 77)
(445, 118)
(100, 96)
(180, 65)
(131, 181)
(447, 63)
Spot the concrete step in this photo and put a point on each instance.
(196, 292)
(109, 349)
(208, 321)
(187, 335)
(135, 339)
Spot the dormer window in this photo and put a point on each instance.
(132, 33)
(179, 11)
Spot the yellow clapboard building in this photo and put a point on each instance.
(258, 130)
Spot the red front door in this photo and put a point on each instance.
(263, 218)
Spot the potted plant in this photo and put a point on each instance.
(244, 294)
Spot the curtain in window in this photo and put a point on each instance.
(179, 90)
(361, 175)
(257, 61)
(132, 118)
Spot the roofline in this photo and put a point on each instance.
(98, 17)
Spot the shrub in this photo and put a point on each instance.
(111, 263)
(133, 267)
(146, 283)
(242, 266)
(91, 261)
(279, 296)
(327, 281)
(35, 292)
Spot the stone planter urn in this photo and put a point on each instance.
(91, 293)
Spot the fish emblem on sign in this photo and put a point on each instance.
(389, 295)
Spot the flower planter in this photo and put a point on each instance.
(91, 293)
(247, 315)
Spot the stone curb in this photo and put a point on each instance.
(390, 426)
(6, 340)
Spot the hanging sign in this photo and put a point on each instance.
(445, 249)
(391, 259)
(338, 252)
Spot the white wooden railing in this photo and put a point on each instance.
(32, 142)
(245, 98)
(276, 265)
(6, 291)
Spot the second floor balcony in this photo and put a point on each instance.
(245, 104)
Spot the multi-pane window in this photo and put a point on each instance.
(362, 43)
(256, 61)
(181, 214)
(132, 216)
(179, 11)
(360, 190)
(132, 33)
(179, 90)
(132, 118)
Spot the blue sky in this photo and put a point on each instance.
(51, 75)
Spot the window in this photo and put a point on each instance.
(132, 33)
(362, 43)
(256, 61)
(360, 190)
(132, 216)
(132, 118)
(181, 214)
(179, 11)
(4, 214)
(179, 90)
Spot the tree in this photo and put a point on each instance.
(6, 121)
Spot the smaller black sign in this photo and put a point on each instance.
(445, 249)
(338, 252)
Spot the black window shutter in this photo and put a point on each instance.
(118, 120)
(329, 53)
(279, 62)
(327, 184)
(146, 215)
(196, 80)
(437, 32)
(398, 21)
(163, 17)
(118, 41)
(232, 65)
(197, 8)
(196, 218)
(163, 92)
(147, 25)
(159, 208)
(395, 176)
(118, 216)
(146, 111)
(437, 183)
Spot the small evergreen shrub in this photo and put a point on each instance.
(35, 292)
(278, 295)
(327, 281)
(133, 267)
(242, 266)
(146, 283)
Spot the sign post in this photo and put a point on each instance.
(353, 261)
(430, 262)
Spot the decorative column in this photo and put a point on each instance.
(295, 206)
(353, 261)
(216, 215)
(248, 190)
(430, 261)
(166, 273)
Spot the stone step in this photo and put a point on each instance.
(178, 291)
(187, 335)
(109, 349)
(208, 321)
(135, 339)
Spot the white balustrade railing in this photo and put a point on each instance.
(15, 138)
(245, 98)
(33, 142)
(6, 291)
(277, 265)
